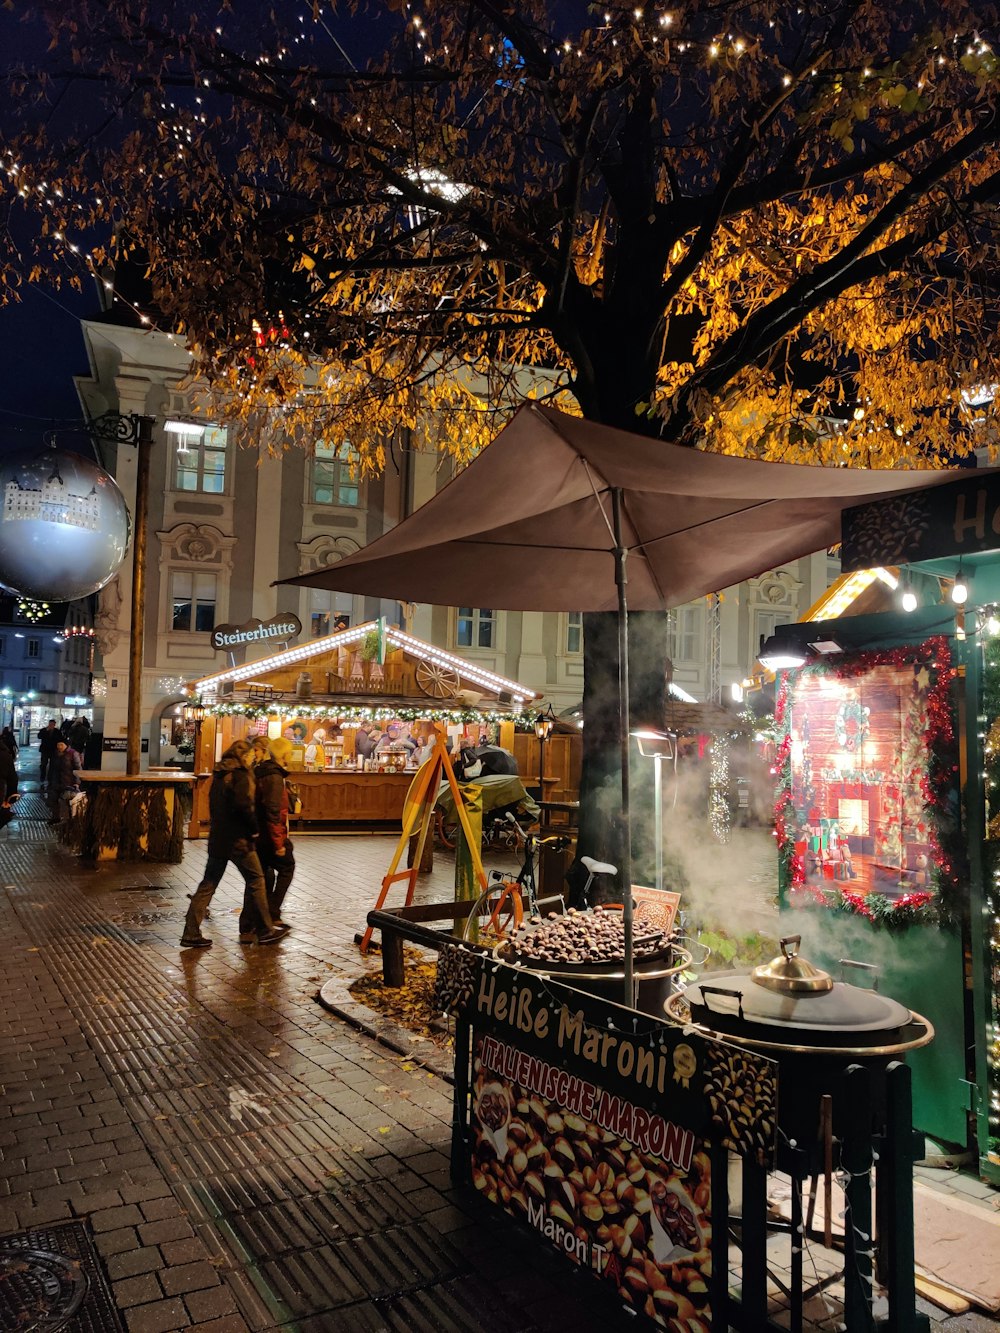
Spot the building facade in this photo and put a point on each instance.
(46, 665)
(227, 520)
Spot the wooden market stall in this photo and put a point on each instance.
(332, 698)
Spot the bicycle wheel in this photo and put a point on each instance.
(495, 913)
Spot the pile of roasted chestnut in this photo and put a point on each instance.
(574, 937)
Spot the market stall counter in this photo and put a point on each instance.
(137, 817)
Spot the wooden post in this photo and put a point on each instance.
(133, 744)
(856, 1159)
(895, 1190)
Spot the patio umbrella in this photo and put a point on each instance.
(565, 514)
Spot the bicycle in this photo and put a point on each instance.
(502, 904)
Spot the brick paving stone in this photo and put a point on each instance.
(160, 1317)
(233, 1323)
(210, 1303)
(181, 1278)
(116, 1242)
(129, 1263)
(187, 1251)
(169, 1228)
(110, 1219)
(139, 1290)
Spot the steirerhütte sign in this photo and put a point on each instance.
(277, 629)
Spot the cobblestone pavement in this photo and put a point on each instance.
(244, 1160)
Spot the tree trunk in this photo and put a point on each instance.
(600, 784)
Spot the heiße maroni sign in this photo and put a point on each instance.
(280, 628)
(592, 1123)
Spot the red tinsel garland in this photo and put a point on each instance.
(935, 785)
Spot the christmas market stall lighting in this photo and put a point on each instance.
(394, 638)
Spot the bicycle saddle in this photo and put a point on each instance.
(598, 867)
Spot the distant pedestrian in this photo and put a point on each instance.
(47, 738)
(79, 735)
(8, 785)
(64, 781)
(277, 854)
(8, 776)
(232, 836)
(7, 738)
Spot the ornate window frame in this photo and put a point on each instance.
(193, 548)
(319, 553)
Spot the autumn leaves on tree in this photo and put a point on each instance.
(761, 228)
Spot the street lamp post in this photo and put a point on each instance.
(657, 745)
(137, 431)
(544, 723)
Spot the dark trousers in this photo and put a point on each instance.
(43, 766)
(255, 910)
(278, 874)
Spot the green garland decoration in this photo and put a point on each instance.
(355, 713)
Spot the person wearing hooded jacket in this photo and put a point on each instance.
(231, 837)
(275, 846)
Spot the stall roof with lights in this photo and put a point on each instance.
(415, 674)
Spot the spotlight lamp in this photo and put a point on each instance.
(781, 654)
(907, 597)
(656, 744)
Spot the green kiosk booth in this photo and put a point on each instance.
(888, 810)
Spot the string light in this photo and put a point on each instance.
(32, 611)
(394, 638)
(719, 813)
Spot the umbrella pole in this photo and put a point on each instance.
(623, 739)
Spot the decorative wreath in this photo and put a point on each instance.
(850, 726)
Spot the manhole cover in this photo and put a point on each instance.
(129, 919)
(39, 1291)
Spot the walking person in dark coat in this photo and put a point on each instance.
(7, 738)
(232, 837)
(274, 845)
(64, 781)
(47, 738)
(79, 735)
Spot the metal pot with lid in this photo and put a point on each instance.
(816, 1028)
(789, 1004)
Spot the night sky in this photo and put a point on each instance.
(41, 349)
(41, 346)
